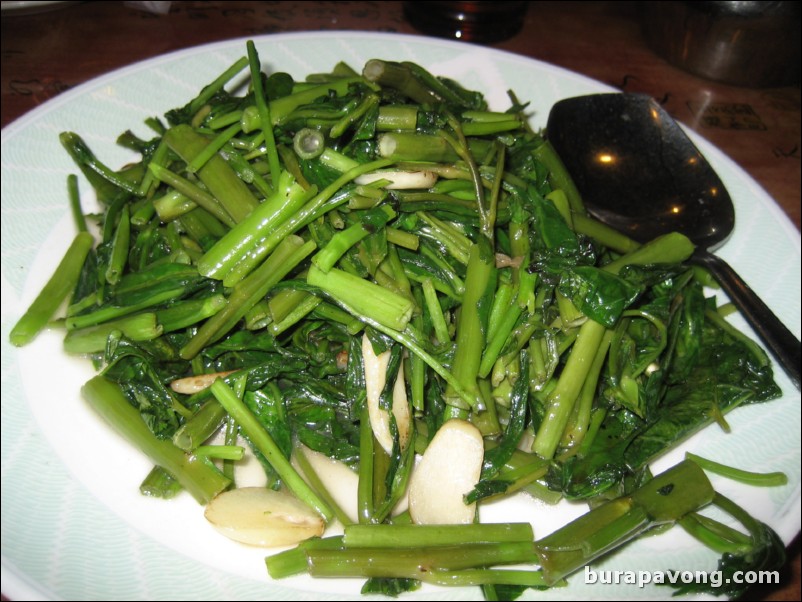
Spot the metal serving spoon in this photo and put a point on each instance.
(638, 172)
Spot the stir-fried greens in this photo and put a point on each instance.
(348, 263)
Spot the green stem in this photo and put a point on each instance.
(562, 399)
(118, 311)
(408, 146)
(353, 115)
(715, 535)
(98, 174)
(471, 324)
(221, 180)
(193, 192)
(415, 563)
(575, 433)
(298, 313)
(215, 86)
(603, 234)
(159, 483)
(262, 440)
(413, 536)
(456, 243)
(199, 479)
(172, 205)
(264, 112)
(365, 506)
(499, 339)
(186, 313)
(308, 143)
(489, 128)
(203, 424)
(240, 241)
(317, 484)
(310, 211)
(221, 452)
(281, 108)
(409, 339)
(58, 287)
(342, 241)
(213, 148)
(327, 311)
(665, 499)
(293, 561)
(403, 239)
(400, 77)
(472, 577)
(397, 117)
(756, 479)
(248, 292)
(435, 311)
(559, 176)
(75, 203)
(119, 248)
(666, 249)
(93, 339)
(364, 297)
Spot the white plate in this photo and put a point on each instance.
(73, 523)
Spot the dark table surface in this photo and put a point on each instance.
(45, 53)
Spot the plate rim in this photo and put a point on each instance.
(20, 587)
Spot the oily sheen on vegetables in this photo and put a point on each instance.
(372, 271)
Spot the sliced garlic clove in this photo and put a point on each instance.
(400, 180)
(338, 479)
(199, 382)
(263, 517)
(401, 412)
(375, 379)
(448, 470)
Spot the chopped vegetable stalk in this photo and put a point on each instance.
(245, 295)
(288, 198)
(364, 297)
(758, 479)
(93, 339)
(413, 536)
(472, 325)
(264, 442)
(198, 478)
(665, 499)
(235, 197)
(58, 287)
(263, 107)
(415, 563)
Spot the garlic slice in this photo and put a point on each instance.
(375, 379)
(449, 469)
(400, 180)
(338, 479)
(193, 384)
(263, 517)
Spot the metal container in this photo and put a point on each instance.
(753, 44)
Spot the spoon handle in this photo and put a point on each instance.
(782, 344)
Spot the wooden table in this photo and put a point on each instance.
(49, 52)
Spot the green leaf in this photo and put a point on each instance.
(599, 295)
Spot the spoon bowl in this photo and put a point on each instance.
(638, 172)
